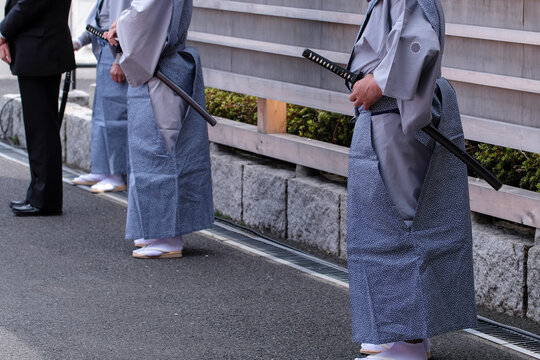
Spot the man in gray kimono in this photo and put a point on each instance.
(109, 116)
(170, 186)
(409, 231)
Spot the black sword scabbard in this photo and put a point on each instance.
(430, 129)
(195, 105)
(463, 156)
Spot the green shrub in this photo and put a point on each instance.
(513, 167)
(233, 106)
(319, 125)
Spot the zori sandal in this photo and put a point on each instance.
(150, 252)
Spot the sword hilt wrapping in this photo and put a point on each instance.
(332, 66)
(99, 34)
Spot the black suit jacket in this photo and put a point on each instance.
(38, 36)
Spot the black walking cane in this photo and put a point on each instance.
(430, 129)
(63, 102)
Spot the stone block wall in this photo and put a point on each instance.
(313, 210)
(277, 201)
(228, 183)
(265, 198)
(500, 270)
(11, 118)
(79, 97)
(78, 122)
(343, 226)
(533, 284)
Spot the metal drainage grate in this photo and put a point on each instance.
(512, 335)
(269, 248)
(508, 336)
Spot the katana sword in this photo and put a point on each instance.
(167, 81)
(430, 129)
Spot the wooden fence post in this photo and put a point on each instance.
(271, 116)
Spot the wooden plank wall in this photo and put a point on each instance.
(491, 57)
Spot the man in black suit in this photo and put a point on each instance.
(36, 42)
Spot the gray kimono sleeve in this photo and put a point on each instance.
(85, 38)
(411, 66)
(142, 31)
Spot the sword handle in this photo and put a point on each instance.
(97, 32)
(332, 66)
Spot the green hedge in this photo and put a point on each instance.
(301, 121)
(513, 167)
(233, 106)
(319, 125)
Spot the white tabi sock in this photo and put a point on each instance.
(89, 178)
(372, 349)
(402, 351)
(113, 179)
(110, 183)
(159, 246)
(143, 242)
(95, 177)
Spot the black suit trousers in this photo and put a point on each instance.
(39, 96)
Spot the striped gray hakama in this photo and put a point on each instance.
(109, 120)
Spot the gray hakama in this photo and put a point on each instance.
(109, 120)
(408, 226)
(170, 187)
(109, 117)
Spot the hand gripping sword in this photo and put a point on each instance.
(429, 129)
(161, 76)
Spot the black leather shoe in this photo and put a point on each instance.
(29, 210)
(17, 203)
